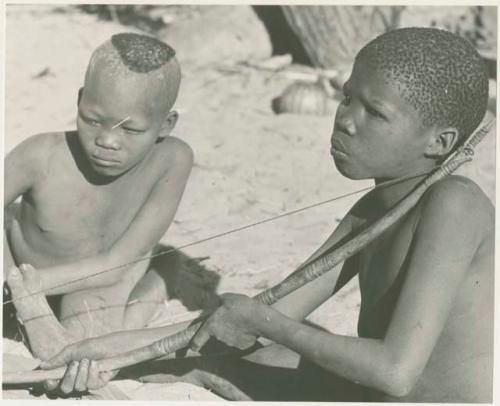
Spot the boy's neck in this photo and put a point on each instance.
(389, 192)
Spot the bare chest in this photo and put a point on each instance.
(382, 266)
(66, 214)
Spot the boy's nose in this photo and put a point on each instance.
(344, 122)
(108, 140)
(346, 126)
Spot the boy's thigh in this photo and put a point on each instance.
(101, 309)
(8, 258)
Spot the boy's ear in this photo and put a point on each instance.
(80, 92)
(169, 123)
(442, 142)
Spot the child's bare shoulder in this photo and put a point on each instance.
(459, 193)
(36, 151)
(457, 198)
(42, 143)
(173, 152)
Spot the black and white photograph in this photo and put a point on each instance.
(236, 202)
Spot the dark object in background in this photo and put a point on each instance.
(283, 38)
(328, 37)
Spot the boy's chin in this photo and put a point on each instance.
(107, 171)
(349, 171)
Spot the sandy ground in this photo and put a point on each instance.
(250, 164)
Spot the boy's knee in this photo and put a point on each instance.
(8, 258)
(9, 213)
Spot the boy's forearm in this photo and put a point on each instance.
(123, 341)
(361, 360)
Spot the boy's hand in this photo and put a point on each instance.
(82, 373)
(81, 376)
(232, 323)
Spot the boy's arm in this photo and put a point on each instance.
(455, 220)
(450, 231)
(147, 228)
(24, 165)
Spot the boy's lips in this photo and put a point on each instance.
(104, 161)
(337, 147)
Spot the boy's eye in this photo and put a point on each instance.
(132, 130)
(90, 121)
(93, 122)
(373, 112)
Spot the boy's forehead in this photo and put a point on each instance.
(381, 87)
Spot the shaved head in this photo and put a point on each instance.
(138, 58)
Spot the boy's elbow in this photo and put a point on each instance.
(397, 380)
(399, 385)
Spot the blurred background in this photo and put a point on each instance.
(259, 90)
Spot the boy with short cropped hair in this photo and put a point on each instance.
(97, 198)
(425, 328)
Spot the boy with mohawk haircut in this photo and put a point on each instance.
(96, 198)
(425, 328)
